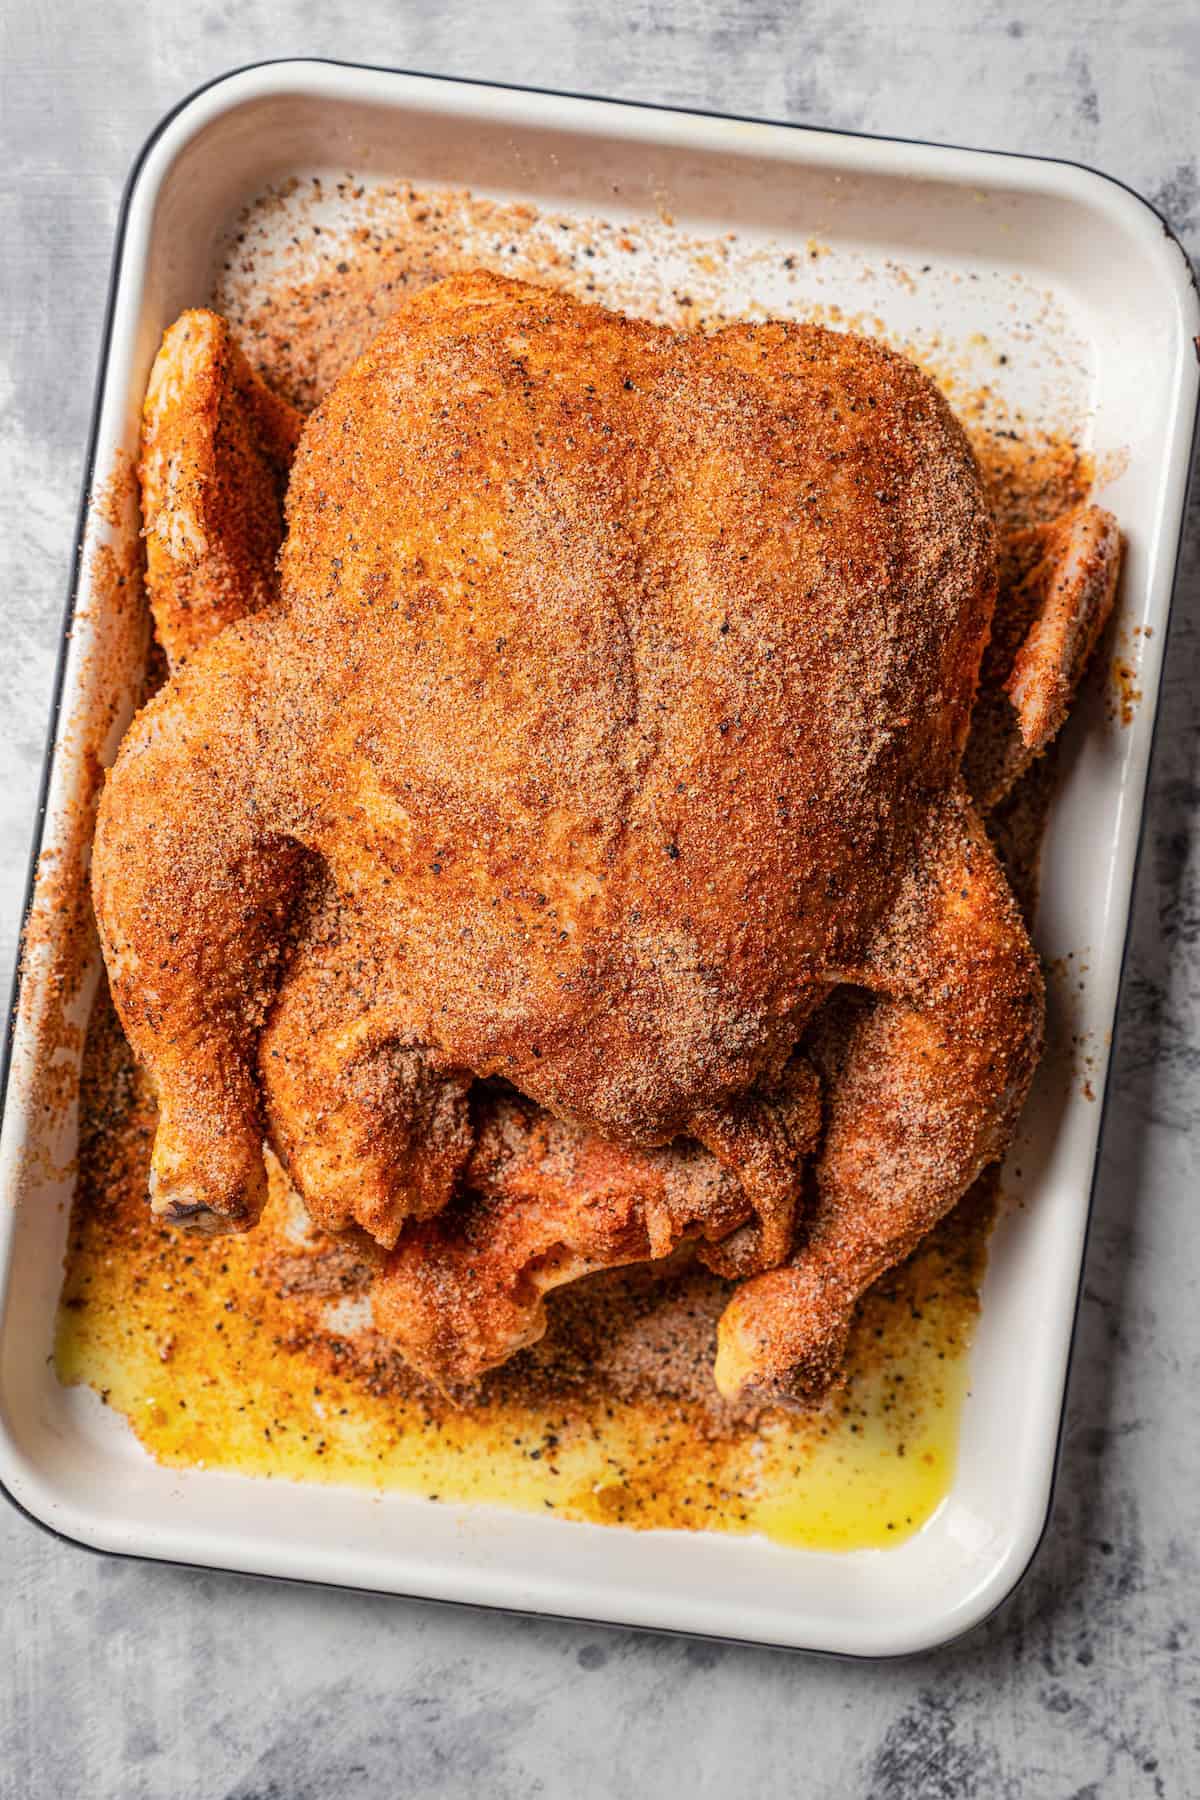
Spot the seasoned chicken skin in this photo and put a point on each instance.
(614, 699)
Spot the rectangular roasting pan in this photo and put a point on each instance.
(981, 225)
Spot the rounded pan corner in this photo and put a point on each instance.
(200, 100)
(1133, 201)
(1000, 1587)
(25, 1487)
(1143, 219)
(37, 1516)
(959, 1620)
(1136, 206)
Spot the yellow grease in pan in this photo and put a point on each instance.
(252, 1354)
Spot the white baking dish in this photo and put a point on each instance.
(1102, 260)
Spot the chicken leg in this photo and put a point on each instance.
(923, 1081)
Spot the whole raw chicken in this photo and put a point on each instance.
(497, 864)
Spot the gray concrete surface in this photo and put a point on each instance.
(156, 1684)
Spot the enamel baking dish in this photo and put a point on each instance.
(984, 227)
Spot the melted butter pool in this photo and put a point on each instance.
(255, 1354)
(248, 1354)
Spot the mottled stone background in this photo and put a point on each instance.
(118, 1680)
